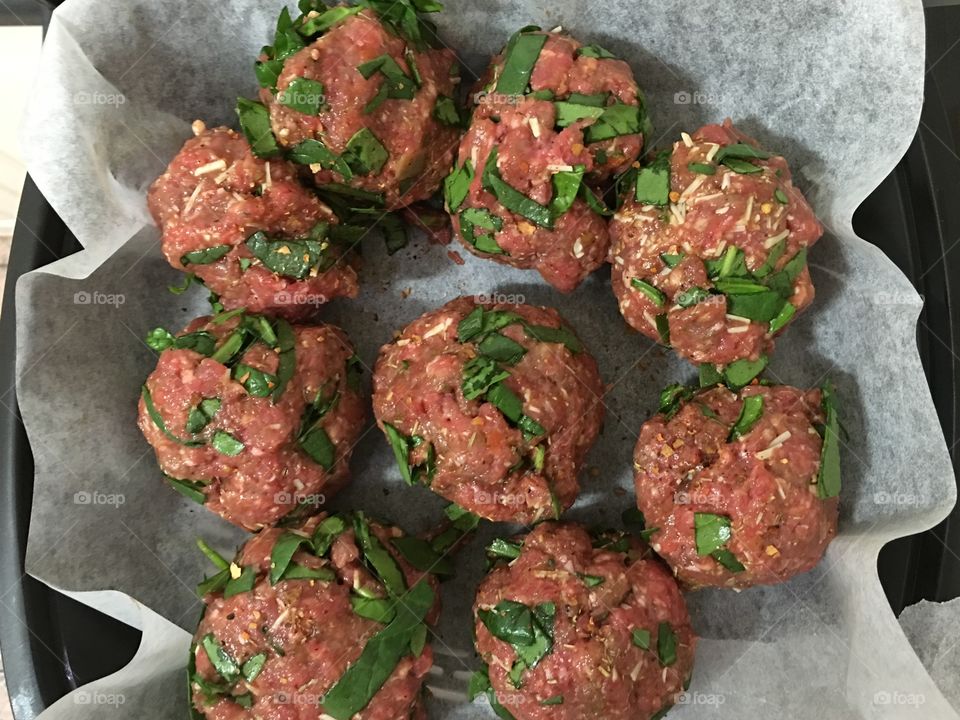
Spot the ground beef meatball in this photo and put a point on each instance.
(492, 406)
(364, 100)
(327, 620)
(252, 417)
(739, 489)
(710, 248)
(552, 119)
(248, 229)
(573, 626)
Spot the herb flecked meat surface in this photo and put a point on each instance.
(493, 407)
(325, 620)
(740, 488)
(255, 418)
(364, 97)
(710, 248)
(248, 229)
(576, 626)
(551, 120)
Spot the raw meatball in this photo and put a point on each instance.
(492, 406)
(578, 627)
(710, 248)
(739, 489)
(552, 119)
(248, 229)
(253, 417)
(318, 622)
(363, 100)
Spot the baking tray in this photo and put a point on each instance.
(52, 644)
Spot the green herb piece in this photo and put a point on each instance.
(365, 154)
(672, 398)
(616, 120)
(711, 532)
(462, 523)
(501, 348)
(317, 444)
(268, 73)
(200, 416)
(596, 100)
(785, 279)
(480, 685)
(296, 259)
(479, 375)
(457, 185)
(157, 419)
(591, 581)
(418, 641)
(283, 551)
(301, 572)
(446, 112)
(783, 318)
(221, 660)
(691, 297)
(401, 17)
(287, 365)
(702, 168)
(781, 196)
(521, 56)
(378, 557)
(256, 382)
(402, 445)
(506, 401)
(731, 264)
(741, 373)
(773, 257)
(741, 166)
(364, 678)
(671, 261)
(555, 700)
(593, 202)
(422, 555)
(377, 609)
(666, 644)
(741, 151)
(230, 347)
(213, 584)
(205, 256)
(560, 335)
(750, 412)
(314, 152)
(566, 187)
(190, 489)
(303, 95)
(241, 584)
(653, 294)
(473, 218)
(327, 19)
(828, 478)
(511, 198)
(595, 51)
(480, 321)
(542, 95)
(728, 560)
(641, 638)
(663, 329)
(507, 549)
(653, 181)
(751, 300)
(709, 375)
(251, 668)
(286, 41)
(398, 85)
(255, 124)
(568, 113)
(226, 444)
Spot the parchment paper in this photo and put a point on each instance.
(835, 85)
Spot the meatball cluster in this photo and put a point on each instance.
(248, 229)
(740, 488)
(253, 417)
(552, 118)
(573, 626)
(491, 406)
(710, 248)
(325, 620)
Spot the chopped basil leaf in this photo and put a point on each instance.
(750, 300)
(201, 341)
(251, 668)
(214, 583)
(828, 478)
(672, 398)
(521, 56)
(159, 422)
(566, 187)
(597, 100)
(506, 401)
(191, 489)
(200, 416)
(781, 196)
(221, 660)
(653, 294)
(671, 261)
(377, 609)
(741, 151)
(750, 412)
(256, 382)
(591, 581)
(773, 257)
(691, 296)
(286, 41)
(501, 548)
(741, 373)
(702, 168)
(286, 347)
(595, 51)
(296, 259)
(741, 166)
(422, 555)
(595, 203)
(317, 444)
(473, 218)
(326, 532)
(481, 321)
(479, 375)
(400, 16)
(731, 264)
(501, 348)
(511, 198)
(301, 572)
(326, 20)
(542, 95)
(783, 318)
(418, 641)
(188, 280)
(378, 558)
(255, 124)
(641, 638)
(268, 72)
(555, 700)
(568, 113)
(283, 551)
(616, 120)
(365, 154)
(446, 112)
(205, 256)
(397, 84)
(241, 584)
(666, 644)
(226, 444)
(480, 685)
(728, 560)
(304, 95)
(314, 152)
(457, 185)
(560, 335)
(663, 329)
(653, 181)
(711, 532)
(709, 375)
(364, 678)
